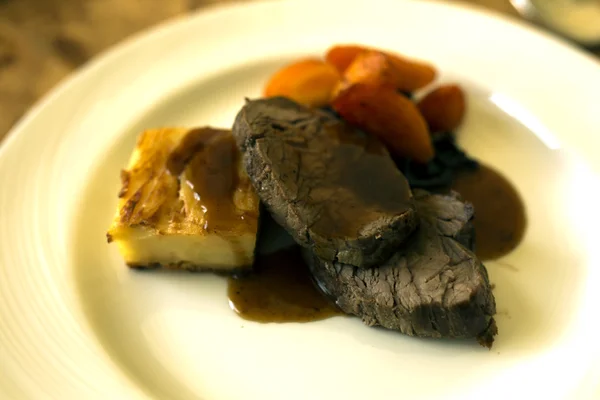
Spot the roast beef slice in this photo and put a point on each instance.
(433, 286)
(333, 188)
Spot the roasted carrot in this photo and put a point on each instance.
(308, 81)
(394, 119)
(342, 56)
(443, 108)
(364, 64)
(382, 69)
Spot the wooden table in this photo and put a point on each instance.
(42, 41)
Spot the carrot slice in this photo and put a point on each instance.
(342, 56)
(382, 69)
(390, 116)
(363, 64)
(308, 81)
(443, 108)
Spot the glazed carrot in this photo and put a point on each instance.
(443, 108)
(342, 56)
(395, 120)
(382, 69)
(308, 81)
(363, 64)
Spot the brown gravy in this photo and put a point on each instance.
(500, 218)
(279, 290)
(207, 161)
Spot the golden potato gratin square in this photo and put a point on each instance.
(186, 203)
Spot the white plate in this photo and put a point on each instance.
(75, 323)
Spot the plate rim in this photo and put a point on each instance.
(153, 32)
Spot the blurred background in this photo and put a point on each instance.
(42, 41)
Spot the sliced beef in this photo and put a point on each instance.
(333, 188)
(433, 286)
